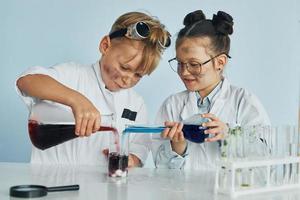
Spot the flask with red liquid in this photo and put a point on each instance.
(50, 125)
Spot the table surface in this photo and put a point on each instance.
(141, 183)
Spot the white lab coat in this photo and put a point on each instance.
(87, 80)
(232, 105)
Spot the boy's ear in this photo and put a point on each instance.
(105, 44)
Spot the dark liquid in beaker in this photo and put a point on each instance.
(117, 165)
(194, 133)
(44, 136)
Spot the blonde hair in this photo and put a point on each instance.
(152, 51)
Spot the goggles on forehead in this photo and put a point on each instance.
(138, 31)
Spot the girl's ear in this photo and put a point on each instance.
(105, 44)
(220, 62)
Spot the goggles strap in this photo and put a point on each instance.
(118, 33)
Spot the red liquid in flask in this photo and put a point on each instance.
(44, 136)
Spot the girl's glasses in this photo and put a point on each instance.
(193, 67)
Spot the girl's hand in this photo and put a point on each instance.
(87, 117)
(175, 134)
(215, 127)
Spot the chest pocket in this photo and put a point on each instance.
(128, 114)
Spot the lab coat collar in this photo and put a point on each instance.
(219, 100)
(97, 70)
(211, 95)
(190, 108)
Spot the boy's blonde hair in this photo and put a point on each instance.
(152, 51)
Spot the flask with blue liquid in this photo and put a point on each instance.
(192, 129)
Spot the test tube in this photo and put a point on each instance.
(293, 141)
(224, 148)
(293, 153)
(223, 178)
(240, 145)
(274, 142)
(238, 178)
(268, 140)
(247, 177)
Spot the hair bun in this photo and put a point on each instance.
(193, 17)
(223, 23)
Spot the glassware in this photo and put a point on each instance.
(223, 178)
(50, 124)
(118, 155)
(247, 177)
(192, 132)
(192, 129)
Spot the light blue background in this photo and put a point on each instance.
(265, 51)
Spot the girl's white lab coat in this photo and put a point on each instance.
(87, 80)
(231, 105)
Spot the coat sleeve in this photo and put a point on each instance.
(163, 155)
(253, 118)
(64, 73)
(251, 112)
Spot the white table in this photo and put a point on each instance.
(141, 183)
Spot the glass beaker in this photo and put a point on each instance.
(51, 124)
(118, 155)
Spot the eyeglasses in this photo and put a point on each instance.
(139, 31)
(193, 67)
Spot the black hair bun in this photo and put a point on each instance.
(223, 23)
(193, 17)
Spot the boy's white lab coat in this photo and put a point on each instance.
(87, 80)
(231, 105)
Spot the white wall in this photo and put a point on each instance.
(265, 51)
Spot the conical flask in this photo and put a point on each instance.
(51, 124)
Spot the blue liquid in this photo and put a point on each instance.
(144, 129)
(193, 133)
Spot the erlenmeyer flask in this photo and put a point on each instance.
(50, 125)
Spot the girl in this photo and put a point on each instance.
(202, 52)
(131, 50)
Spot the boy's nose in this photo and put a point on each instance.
(126, 80)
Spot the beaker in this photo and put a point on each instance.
(118, 155)
(51, 124)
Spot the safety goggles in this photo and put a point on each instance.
(138, 31)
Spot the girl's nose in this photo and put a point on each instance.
(184, 70)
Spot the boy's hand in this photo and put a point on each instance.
(133, 161)
(87, 117)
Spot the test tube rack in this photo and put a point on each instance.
(232, 167)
